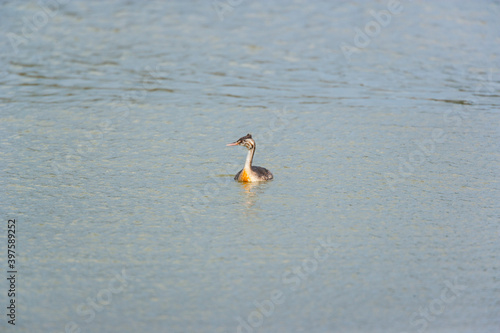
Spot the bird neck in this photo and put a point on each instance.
(248, 162)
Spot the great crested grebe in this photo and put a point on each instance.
(250, 173)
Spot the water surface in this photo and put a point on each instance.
(114, 120)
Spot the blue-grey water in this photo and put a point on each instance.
(379, 120)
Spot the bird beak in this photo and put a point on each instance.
(232, 144)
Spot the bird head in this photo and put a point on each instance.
(246, 141)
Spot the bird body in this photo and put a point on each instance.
(250, 173)
(256, 174)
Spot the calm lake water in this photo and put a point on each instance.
(379, 120)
